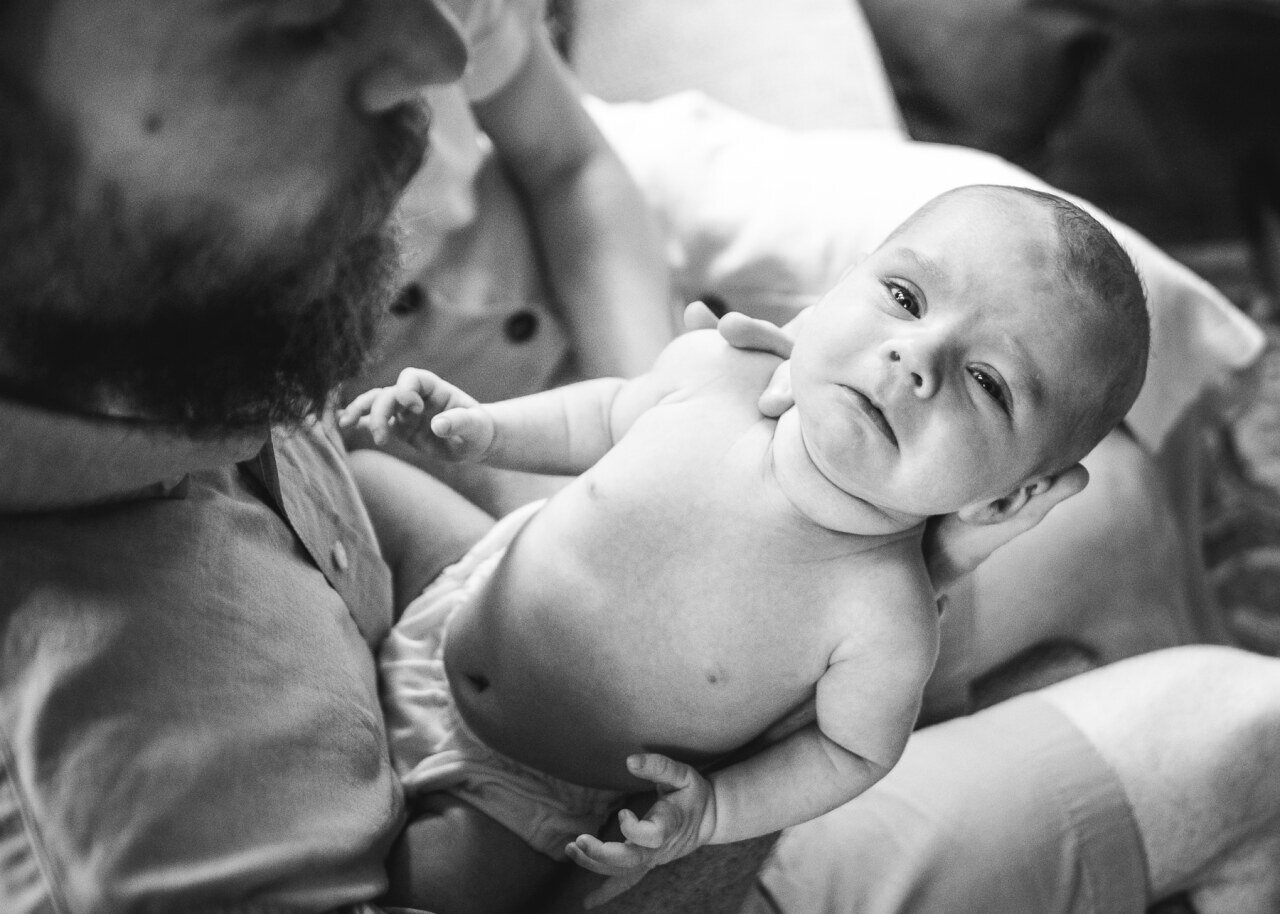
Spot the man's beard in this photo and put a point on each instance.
(167, 316)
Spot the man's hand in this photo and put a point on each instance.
(680, 822)
(427, 412)
(742, 332)
(953, 548)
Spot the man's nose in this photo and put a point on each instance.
(420, 44)
(916, 364)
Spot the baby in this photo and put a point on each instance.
(711, 570)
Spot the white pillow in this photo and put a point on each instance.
(769, 218)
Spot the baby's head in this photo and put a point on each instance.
(989, 343)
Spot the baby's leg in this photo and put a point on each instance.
(453, 859)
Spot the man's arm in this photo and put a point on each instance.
(600, 243)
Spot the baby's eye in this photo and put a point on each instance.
(904, 298)
(992, 385)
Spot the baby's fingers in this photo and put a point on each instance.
(661, 770)
(469, 431)
(459, 424)
(608, 858)
(391, 407)
(353, 411)
(652, 830)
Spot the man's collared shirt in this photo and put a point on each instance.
(189, 713)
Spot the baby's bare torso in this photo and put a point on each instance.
(670, 599)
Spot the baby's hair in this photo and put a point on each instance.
(1096, 266)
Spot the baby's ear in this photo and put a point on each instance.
(1040, 492)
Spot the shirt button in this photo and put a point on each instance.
(521, 326)
(412, 299)
(340, 557)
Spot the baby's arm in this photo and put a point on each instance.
(867, 703)
(562, 431)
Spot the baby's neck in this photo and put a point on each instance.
(821, 501)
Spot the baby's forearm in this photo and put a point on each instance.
(561, 432)
(791, 782)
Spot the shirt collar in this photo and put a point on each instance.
(54, 460)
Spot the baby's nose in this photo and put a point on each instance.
(915, 368)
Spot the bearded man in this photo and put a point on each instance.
(195, 240)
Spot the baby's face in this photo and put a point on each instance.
(942, 370)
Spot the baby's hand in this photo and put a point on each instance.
(427, 412)
(680, 822)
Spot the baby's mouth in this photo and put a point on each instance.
(872, 412)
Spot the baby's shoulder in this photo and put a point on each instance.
(892, 588)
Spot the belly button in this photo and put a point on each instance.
(479, 680)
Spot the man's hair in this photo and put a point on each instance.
(1106, 284)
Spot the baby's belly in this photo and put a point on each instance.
(571, 680)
